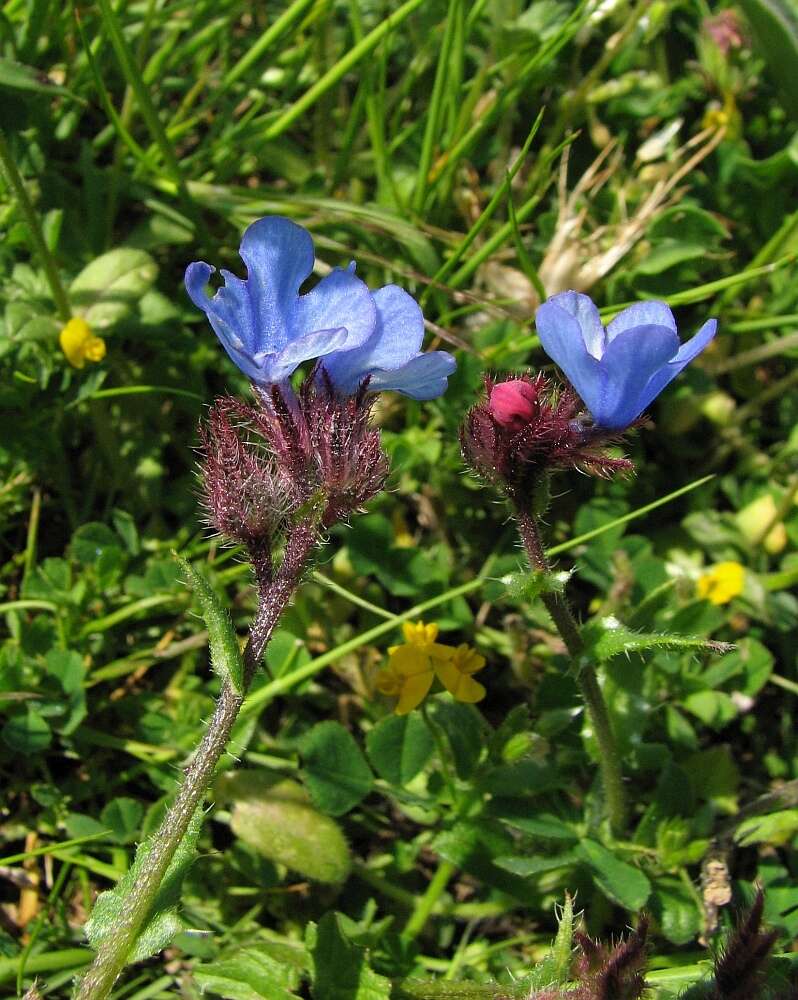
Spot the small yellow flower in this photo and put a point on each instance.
(721, 583)
(413, 666)
(79, 344)
(455, 674)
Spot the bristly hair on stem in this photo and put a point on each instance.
(740, 964)
(526, 427)
(612, 973)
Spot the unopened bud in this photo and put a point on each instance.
(512, 403)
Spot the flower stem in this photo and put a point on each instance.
(566, 624)
(46, 259)
(273, 596)
(426, 903)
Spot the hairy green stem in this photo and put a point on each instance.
(274, 593)
(46, 259)
(566, 624)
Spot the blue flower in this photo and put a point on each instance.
(619, 370)
(269, 329)
(391, 357)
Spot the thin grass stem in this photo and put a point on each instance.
(35, 232)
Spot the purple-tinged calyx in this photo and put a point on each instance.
(526, 428)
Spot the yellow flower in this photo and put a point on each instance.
(721, 583)
(455, 674)
(79, 344)
(412, 668)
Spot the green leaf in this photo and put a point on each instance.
(714, 708)
(27, 732)
(77, 826)
(249, 974)
(777, 828)
(340, 968)
(541, 825)
(512, 738)
(464, 729)
(67, 666)
(536, 864)
(523, 777)
(668, 253)
(714, 777)
(285, 652)
(109, 288)
(750, 664)
(775, 30)
(226, 658)
(163, 923)
(123, 817)
(277, 819)
(91, 541)
(607, 637)
(673, 796)
(475, 846)
(399, 746)
(18, 76)
(675, 910)
(621, 882)
(336, 772)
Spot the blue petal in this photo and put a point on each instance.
(311, 345)
(279, 257)
(422, 377)
(225, 321)
(339, 302)
(696, 344)
(561, 337)
(397, 337)
(251, 316)
(265, 326)
(641, 314)
(236, 339)
(587, 317)
(629, 363)
(683, 357)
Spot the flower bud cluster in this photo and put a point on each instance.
(286, 456)
(527, 427)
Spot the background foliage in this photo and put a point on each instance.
(478, 154)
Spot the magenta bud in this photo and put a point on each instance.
(527, 427)
(512, 404)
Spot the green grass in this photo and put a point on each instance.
(449, 147)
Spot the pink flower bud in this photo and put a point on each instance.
(526, 428)
(512, 404)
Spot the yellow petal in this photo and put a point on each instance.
(407, 661)
(460, 686)
(721, 583)
(73, 339)
(440, 652)
(419, 634)
(468, 660)
(94, 349)
(414, 690)
(389, 682)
